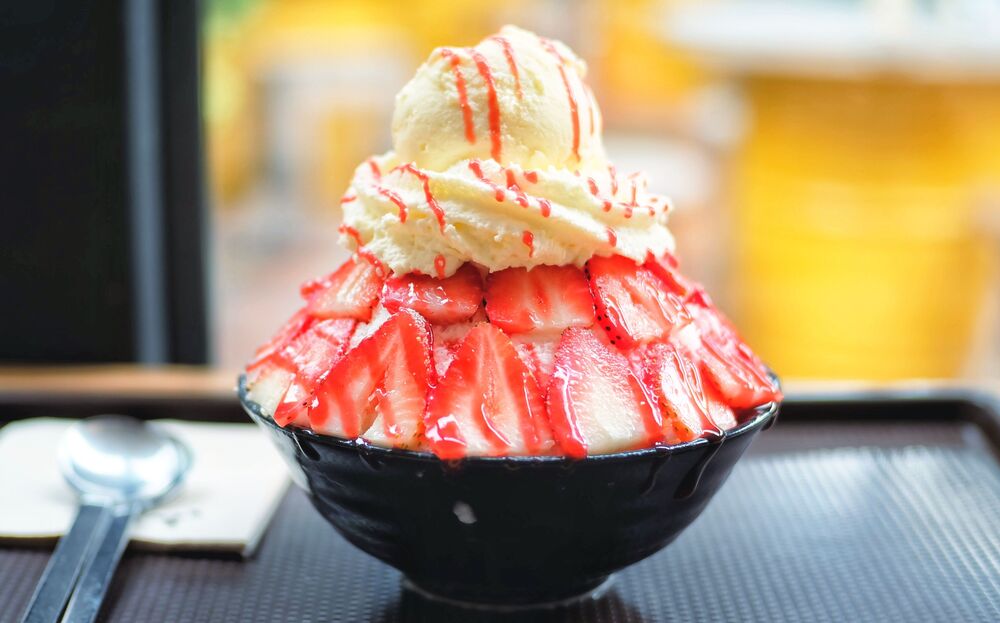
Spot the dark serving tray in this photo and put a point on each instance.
(875, 507)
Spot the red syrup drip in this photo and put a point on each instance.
(439, 266)
(528, 239)
(353, 233)
(374, 167)
(594, 190)
(545, 207)
(463, 97)
(431, 201)
(477, 169)
(531, 176)
(396, 199)
(519, 196)
(612, 237)
(492, 104)
(511, 63)
(614, 179)
(348, 199)
(574, 110)
(374, 261)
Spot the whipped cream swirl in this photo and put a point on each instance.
(498, 160)
(411, 219)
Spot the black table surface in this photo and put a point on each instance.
(821, 521)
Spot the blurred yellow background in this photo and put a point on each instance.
(841, 202)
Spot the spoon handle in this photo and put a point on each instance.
(86, 601)
(64, 566)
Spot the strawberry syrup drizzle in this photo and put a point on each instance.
(348, 199)
(491, 101)
(511, 63)
(573, 107)
(477, 169)
(594, 190)
(463, 97)
(439, 266)
(396, 199)
(631, 205)
(528, 239)
(353, 233)
(500, 193)
(431, 201)
(531, 176)
(614, 179)
(374, 261)
(374, 167)
(612, 237)
(545, 207)
(519, 196)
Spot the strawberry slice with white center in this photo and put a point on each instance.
(545, 299)
(487, 404)
(539, 354)
(348, 292)
(596, 404)
(689, 409)
(441, 301)
(271, 371)
(633, 304)
(378, 389)
(267, 383)
(666, 269)
(296, 326)
(726, 361)
(315, 353)
(447, 340)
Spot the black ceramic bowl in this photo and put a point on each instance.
(508, 531)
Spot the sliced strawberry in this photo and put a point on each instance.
(268, 382)
(315, 353)
(447, 340)
(539, 354)
(596, 404)
(674, 380)
(378, 389)
(666, 269)
(727, 362)
(295, 327)
(488, 403)
(722, 414)
(441, 301)
(633, 305)
(543, 299)
(348, 292)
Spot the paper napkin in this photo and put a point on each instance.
(236, 482)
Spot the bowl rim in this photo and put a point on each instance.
(763, 414)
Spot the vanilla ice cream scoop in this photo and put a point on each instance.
(498, 160)
(514, 98)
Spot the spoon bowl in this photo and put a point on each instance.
(119, 466)
(112, 459)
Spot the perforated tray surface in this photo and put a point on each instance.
(819, 522)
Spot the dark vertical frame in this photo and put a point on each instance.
(165, 164)
(186, 222)
(103, 236)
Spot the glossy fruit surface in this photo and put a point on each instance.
(552, 360)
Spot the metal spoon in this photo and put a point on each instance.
(119, 466)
